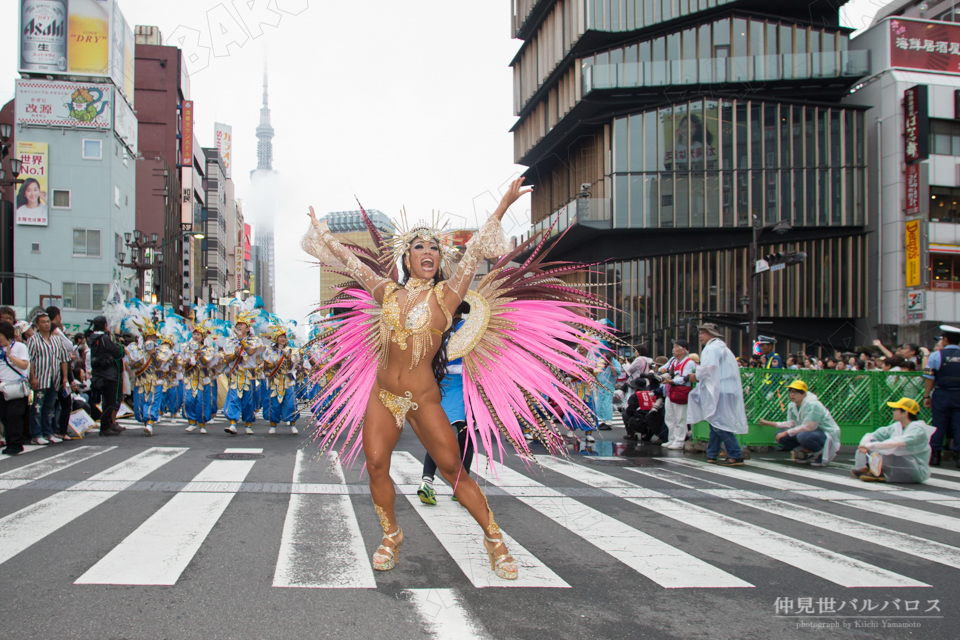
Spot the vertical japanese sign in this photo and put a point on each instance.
(32, 194)
(247, 235)
(186, 142)
(917, 253)
(223, 135)
(916, 124)
(238, 262)
(913, 189)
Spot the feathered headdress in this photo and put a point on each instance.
(397, 243)
(249, 310)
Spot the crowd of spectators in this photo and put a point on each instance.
(907, 357)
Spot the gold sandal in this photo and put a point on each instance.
(497, 561)
(394, 553)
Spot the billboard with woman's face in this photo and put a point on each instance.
(31, 206)
(689, 137)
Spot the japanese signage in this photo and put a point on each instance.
(223, 136)
(32, 195)
(931, 46)
(238, 262)
(77, 38)
(125, 125)
(186, 143)
(64, 104)
(913, 189)
(915, 237)
(916, 124)
(247, 234)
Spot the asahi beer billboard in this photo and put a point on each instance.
(77, 38)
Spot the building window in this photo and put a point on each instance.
(117, 246)
(34, 247)
(945, 137)
(116, 195)
(944, 271)
(86, 242)
(61, 199)
(92, 150)
(83, 296)
(944, 204)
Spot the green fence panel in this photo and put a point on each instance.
(856, 399)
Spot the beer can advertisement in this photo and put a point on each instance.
(74, 37)
(31, 206)
(64, 104)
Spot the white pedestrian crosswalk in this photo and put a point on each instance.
(717, 525)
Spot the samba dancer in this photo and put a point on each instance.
(280, 365)
(241, 358)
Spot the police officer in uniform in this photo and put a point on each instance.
(942, 393)
(769, 359)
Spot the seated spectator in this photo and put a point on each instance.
(810, 432)
(903, 448)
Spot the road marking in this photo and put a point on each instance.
(30, 525)
(905, 543)
(158, 551)
(662, 563)
(836, 497)
(321, 546)
(850, 481)
(444, 616)
(48, 466)
(462, 537)
(839, 569)
(27, 448)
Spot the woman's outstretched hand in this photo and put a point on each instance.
(514, 191)
(312, 214)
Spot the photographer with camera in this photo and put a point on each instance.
(106, 363)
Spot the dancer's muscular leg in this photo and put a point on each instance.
(380, 436)
(433, 428)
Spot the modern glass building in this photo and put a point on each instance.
(658, 132)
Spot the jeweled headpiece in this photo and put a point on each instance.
(398, 242)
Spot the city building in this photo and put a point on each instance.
(659, 134)
(349, 227)
(219, 208)
(913, 153)
(263, 178)
(75, 135)
(164, 181)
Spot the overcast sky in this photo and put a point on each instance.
(401, 104)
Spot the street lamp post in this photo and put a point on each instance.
(6, 131)
(138, 244)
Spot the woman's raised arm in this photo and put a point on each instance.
(322, 245)
(488, 242)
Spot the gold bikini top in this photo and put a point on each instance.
(416, 326)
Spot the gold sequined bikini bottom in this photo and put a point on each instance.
(398, 405)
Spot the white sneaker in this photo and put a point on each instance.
(528, 436)
(147, 430)
(191, 428)
(40, 441)
(272, 430)
(293, 430)
(589, 439)
(55, 439)
(203, 429)
(655, 440)
(249, 430)
(232, 429)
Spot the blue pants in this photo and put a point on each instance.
(574, 422)
(945, 405)
(196, 407)
(41, 412)
(241, 408)
(173, 398)
(282, 409)
(210, 399)
(727, 438)
(812, 441)
(146, 407)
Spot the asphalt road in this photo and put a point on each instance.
(136, 537)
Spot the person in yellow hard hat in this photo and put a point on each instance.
(810, 432)
(903, 448)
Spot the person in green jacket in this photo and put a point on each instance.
(903, 448)
(809, 431)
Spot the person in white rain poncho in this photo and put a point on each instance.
(810, 432)
(898, 452)
(718, 397)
